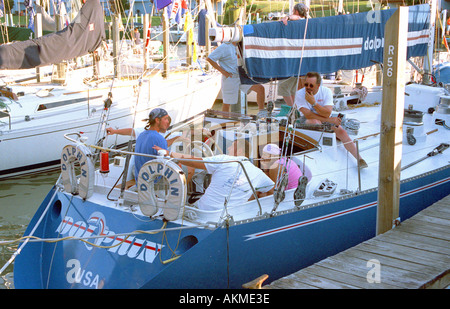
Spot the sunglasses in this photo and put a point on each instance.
(309, 85)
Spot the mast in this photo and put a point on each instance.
(428, 59)
(115, 32)
(38, 33)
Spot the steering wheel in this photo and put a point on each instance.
(199, 149)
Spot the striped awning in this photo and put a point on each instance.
(327, 44)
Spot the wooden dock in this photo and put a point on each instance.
(413, 255)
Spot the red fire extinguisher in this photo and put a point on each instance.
(104, 162)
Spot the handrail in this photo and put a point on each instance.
(181, 160)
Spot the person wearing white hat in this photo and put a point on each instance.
(270, 162)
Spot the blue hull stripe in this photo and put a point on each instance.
(337, 214)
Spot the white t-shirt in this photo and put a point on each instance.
(223, 180)
(323, 97)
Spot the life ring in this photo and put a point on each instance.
(81, 154)
(175, 196)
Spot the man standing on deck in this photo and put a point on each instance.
(288, 87)
(225, 59)
(315, 102)
(299, 11)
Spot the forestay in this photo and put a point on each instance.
(343, 42)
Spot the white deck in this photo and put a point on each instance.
(336, 164)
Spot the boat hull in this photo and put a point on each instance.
(224, 257)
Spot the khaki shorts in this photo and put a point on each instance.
(230, 87)
(287, 87)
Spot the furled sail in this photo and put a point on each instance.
(327, 44)
(83, 35)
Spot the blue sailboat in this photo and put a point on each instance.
(90, 232)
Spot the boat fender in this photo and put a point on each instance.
(175, 195)
(80, 154)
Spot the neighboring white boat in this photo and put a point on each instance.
(30, 130)
(175, 34)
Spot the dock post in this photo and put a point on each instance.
(147, 36)
(38, 33)
(392, 119)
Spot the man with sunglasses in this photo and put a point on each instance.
(315, 102)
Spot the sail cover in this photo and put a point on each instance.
(83, 35)
(343, 42)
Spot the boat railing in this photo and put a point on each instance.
(300, 155)
(6, 114)
(123, 152)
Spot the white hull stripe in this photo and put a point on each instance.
(260, 47)
(112, 237)
(336, 214)
(286, 48)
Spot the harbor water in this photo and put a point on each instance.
(19, 199)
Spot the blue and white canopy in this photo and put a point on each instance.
(327, 44)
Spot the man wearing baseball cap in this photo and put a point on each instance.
(158, 121)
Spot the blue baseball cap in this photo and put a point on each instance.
(156, 113)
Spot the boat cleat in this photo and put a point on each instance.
(325, 188)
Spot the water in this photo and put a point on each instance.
(19, 199)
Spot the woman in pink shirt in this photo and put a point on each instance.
(270, 162)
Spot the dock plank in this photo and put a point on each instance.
(415, 254)
(418, 241)
(391, 261)
(424, 230)
(340, 277)
(432, 219)
(440, 213)
(390, 276)
(297, 279)
(405, 253)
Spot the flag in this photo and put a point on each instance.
(184, 7)
(174, 11)
(160, 4)
(2, 8)
(61, 8)
(28, 5)
(189, 28)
